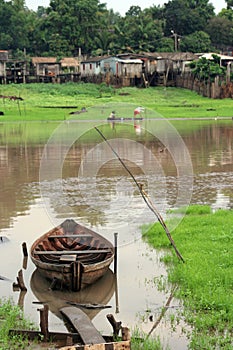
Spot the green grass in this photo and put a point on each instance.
(11, 317)
(140, 341)
(46, 102)
(205, 280)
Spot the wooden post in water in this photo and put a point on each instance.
(115, 252)
(116, 326)
(20, 282)
(44, 322)
(25, 252)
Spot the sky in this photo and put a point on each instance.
(123, 6)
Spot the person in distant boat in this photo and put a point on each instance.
(112, 115)
(138, 111)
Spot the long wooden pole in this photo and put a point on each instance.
(115, 252)
(145, 198)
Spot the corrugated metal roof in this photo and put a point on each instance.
(209, 56)
(130, 60)
(96, 59)
(174, 56)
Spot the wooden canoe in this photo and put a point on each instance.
(72, 256)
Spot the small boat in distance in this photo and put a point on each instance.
(72, 256)
(123, 119)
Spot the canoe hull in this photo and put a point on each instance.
(64, 274)
(72, 259)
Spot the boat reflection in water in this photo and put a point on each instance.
(99, 292)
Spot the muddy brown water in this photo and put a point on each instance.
(44, 181)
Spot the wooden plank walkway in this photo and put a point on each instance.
(83, 325)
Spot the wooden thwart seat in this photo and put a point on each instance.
(71, 252)
(70, 236)
(65, 258)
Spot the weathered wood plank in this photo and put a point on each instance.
(121, 345)
(70, 236)
(83, 325)
(65, 252)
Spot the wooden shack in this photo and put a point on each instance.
(46, 69)
(69, 70)
(91, 66)
(3, 60)
(69, 65)
(111, 69)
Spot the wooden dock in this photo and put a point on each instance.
(83, 325)
(89, 335)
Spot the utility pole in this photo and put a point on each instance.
(176, 40)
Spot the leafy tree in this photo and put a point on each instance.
(226, 13)
(185, 17)
(229, 4)
(106, 39)
(220, 32)
(165, 45)
(196, 42)
(205, 69)
(72, 24)
(134, 11)
(141, 31)
(13, 25)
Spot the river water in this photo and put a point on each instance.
(50, 172)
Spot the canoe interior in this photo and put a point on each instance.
(70, 250)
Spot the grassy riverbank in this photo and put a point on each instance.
(54, 102)
(205, 280)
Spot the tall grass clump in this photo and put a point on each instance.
(205, 280)
(11, 317)
(140, 341)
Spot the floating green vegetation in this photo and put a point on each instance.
(205, 280)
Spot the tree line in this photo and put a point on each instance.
(66, 27)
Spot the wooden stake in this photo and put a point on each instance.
(20, 282)
(115, 255)
(25, 252)
(25, 262)
(125, 333)
(115, 325)
(116, 295)
(44, 322)
(21, 298)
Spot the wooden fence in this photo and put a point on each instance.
(217, 89)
